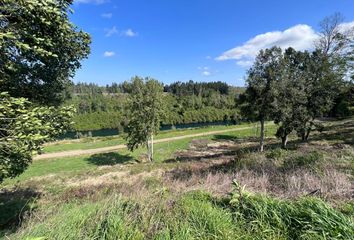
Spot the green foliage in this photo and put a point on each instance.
(92, 101)
(306, 218)
(309, 160)
(23, 129)
(97, 121)
(40, 49)
(258, 99)
(145, 111)
(276, 154)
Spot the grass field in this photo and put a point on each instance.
(304, 192)
(162, 152)
(98, 142)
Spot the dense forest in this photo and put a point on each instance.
(101, 107)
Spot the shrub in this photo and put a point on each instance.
(310, 160)
(276, 153)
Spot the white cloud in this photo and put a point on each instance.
(347, 27)
(114, 30)
(245, 63)
(301, 37)
(90, 1)
(206, 73)
(129, 33)
(107, 15)
(109, 54)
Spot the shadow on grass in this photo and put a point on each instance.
(343, 132)
(14, 206)
(109, 159)
(235, 139)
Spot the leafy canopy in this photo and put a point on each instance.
(23, 129)
(40, 49)
(145, 110)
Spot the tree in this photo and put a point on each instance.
(23, 129)
(40, 49)
(322, 86)
(290, 98)
(259, 97)
(145, 111)
(336, 42)
(311, 83)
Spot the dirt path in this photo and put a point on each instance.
(121, 146)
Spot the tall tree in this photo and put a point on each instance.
(259, 97)
(40, 49)
(145, 111)
(291, 99)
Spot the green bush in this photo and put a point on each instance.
(276, 153)
(309, 160)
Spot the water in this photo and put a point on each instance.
(114, 132)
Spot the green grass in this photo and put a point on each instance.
(162, 151)
(99, 142)
(157, 207)
(195, 215)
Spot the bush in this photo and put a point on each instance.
(309, 160)
(276, 154)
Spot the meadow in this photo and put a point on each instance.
(211, 187)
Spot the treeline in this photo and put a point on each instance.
(100, 107)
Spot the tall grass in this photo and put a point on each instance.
(305, 218)
(194, 215)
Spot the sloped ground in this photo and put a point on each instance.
(322, 168)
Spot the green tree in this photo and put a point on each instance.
(145, 112)
(40, 49)
(290, 98)
(259, 97)
(23, 129)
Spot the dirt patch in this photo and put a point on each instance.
(201, 149)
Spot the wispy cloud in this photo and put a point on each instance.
(111, 31)
(124, 33)
(301, 37)
(109, 54)
(107, 15)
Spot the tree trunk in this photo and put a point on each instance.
(261, 143)
(284, 141)
(148, 146)
(152, 146)
(307, 134)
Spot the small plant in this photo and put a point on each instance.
(276, 154)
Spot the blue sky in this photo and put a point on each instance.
(202, 40)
